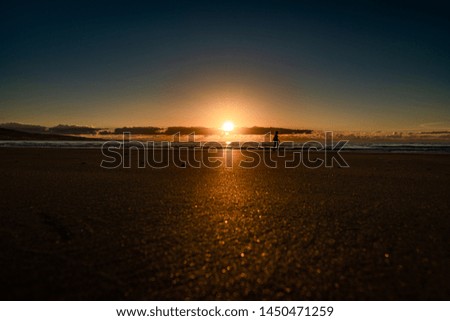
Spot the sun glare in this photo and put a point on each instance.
(228, 126)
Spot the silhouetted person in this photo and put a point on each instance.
(276, 140)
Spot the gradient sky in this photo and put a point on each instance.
(304, 64)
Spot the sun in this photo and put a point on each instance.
(228, 126)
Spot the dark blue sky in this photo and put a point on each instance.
(311, 64)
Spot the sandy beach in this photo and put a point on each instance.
(70, 230)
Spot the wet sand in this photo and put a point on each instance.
(71, 230)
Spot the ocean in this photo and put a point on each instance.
(389, 147)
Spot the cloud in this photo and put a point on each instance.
(435, 125)
(73, 130)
